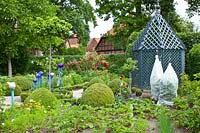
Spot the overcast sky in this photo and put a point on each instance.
(104, 26)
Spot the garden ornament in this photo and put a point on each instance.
(34, 84)
(50, 81)
(12, 86)
(59, 83)
(40, 78)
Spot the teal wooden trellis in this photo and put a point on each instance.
(157, 38)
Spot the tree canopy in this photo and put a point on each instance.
(133, 15)
(17, 19)
(193, 7)
(79, 13)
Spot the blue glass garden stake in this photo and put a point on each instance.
(52, 83)
(12, 86)
(34, 84)
(59, 83)
(49, 80)
(40, 78)
(12, 96)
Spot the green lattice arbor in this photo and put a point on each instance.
(157, 38)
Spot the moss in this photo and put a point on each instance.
(43, 96)
(95, 80)
(98, 94)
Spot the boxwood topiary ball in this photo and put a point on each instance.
(43, 96)
(98, 94)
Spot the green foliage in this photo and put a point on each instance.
(164, 123)
(138, 92)
(23, 82)
(75, 51)
(116, 61)
(194, 60)
(98, 94)
(20, 119)
(42, 64)
(43, 96)
(95, 80)
(79, 13)
(193, 7)
(76, 78)
(67, 81)
(187, 105)
(16, 25)
(128, 67)
(17, 91)
(115, 85)
(24, 95)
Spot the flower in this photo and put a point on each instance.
(31, 100)
(126, 85)
(122, 76)
(2, 124)
(12, 120)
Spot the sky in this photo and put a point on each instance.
(104, 26)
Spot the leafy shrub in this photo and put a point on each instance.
(43, 96)
(77, 79)
(164, 123)
(23, 82)
(95, 80)
(75, 51)
(194, 60)
(115, 85)
(187, 105)
(17, 91)
(98, 94)
(23, 96)
(67, 81)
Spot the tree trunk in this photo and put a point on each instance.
(9, 67)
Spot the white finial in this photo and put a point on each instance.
(11, 85)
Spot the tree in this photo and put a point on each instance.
(79, 13)
(193, 7)
(16, 21)
(132, 15)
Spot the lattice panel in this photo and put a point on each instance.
(158, 35)
(146, 60)
(146, 66)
